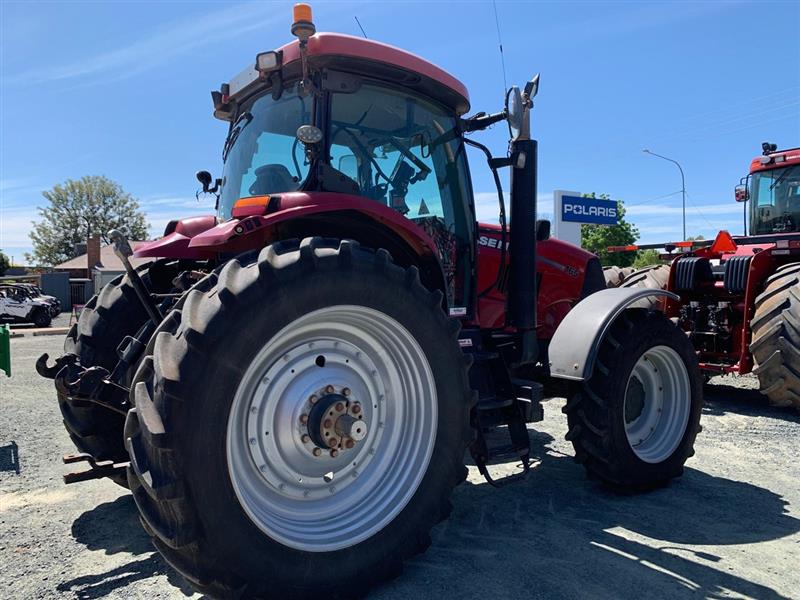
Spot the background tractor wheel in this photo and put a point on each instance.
(776, 337)
(634, 422)
(654, 278)
(314, 403)
(104, 322)
(615, 275)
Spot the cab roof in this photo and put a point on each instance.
(370, 58)
(774, 160)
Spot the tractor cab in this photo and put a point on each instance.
(774, 191)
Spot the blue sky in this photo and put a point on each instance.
(122, 89)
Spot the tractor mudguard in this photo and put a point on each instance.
(573, 348)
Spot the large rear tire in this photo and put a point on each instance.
(653, 278)
(229, 468)
(614, 276)
(633, 423)
(775, 337)
(104, 322)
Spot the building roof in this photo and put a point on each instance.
(108, 260)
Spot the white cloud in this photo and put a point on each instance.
(487, 208)
(664, 210)
(160, 46)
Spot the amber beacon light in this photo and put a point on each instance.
(303, 26)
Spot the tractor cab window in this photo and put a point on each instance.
(775, 201)
(262, 153)
(405, 152)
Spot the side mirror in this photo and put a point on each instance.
(204, 177)
(515, 111)
(532, 87)
(741, 193)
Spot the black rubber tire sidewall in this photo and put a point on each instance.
(625, 470)
(220, 514)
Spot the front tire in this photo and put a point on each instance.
(633, 423)
(224, 435)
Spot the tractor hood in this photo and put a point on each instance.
(257, 219)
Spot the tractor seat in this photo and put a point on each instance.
(271, 179)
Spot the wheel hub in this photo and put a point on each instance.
(657, 404)
(314, 496)
(334, 422)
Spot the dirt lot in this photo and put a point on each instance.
(729, 528)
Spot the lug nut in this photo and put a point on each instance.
(305, 439)
(339, 407)
(332, 443)
(356, 408)
(304, 419)
(334, 453)
(327, 423)
(328, 389)
(346, 392)
(316, 451)
(313, 399)
(349, 444)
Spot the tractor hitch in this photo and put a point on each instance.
(97, 470)
(93, 385)
(50, 372)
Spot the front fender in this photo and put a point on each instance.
(573, 349)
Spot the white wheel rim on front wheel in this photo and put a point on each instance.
(657, 404)
(325, 503)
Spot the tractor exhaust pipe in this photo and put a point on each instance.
(522, 280)
(522, 268)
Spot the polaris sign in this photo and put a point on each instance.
(588, 210)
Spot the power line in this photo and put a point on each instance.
(699, 212)
(500, 42)
(653, 199)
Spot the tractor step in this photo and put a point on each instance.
(97, 470)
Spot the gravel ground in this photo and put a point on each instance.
(727, 529)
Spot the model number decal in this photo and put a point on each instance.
(490, 242)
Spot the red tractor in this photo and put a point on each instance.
(740, 296)
(290, 390)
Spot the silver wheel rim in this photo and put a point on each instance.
(324, 503)
(657, 404)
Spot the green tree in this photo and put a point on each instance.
(646, 258)
(5, 263)
(597, 238)
(91, 205)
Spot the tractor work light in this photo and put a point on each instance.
(308, 134)
(266, 62)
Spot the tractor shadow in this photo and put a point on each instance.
(557, 534)
(114, 528)
(724, 396)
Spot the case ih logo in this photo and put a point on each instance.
(588, 210)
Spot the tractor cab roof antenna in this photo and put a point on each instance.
(500, 43)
